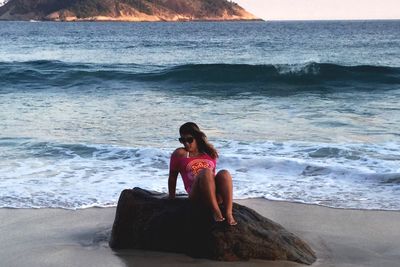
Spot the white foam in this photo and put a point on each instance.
(80, 176)
(298, 69)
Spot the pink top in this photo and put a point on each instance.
(189, 167)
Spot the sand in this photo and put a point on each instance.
(57, 237)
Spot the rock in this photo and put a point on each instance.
(147, 220)
(123, 10)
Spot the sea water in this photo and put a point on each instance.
(299, 111)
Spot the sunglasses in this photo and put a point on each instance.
(188, 140)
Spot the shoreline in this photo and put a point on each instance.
(60, 237)
(310, 204)
(138, 21)
(238, 200)
(130, 21)
(216, 20)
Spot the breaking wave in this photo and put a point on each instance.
(247, 77)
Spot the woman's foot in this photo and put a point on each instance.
(218, 217)
(231, 221)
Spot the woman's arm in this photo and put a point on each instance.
(173, 175)
(174, 171)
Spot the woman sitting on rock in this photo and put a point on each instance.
(196, 162)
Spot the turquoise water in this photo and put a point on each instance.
(300, 111)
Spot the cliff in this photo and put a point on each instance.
(123, 10)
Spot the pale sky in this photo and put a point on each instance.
(322, 9)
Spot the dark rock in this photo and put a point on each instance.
(147, 220)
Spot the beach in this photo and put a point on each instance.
(60, 237)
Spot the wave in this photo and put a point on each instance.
(311, 73)
(323, 75)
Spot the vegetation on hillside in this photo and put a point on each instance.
(196, 9)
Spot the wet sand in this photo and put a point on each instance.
(57, 237)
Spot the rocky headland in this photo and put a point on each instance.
(123, 10)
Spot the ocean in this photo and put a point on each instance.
(299, 111)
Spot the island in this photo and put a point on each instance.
(124, 10)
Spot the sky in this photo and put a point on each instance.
(322, 9)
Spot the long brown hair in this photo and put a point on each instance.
(202, 143)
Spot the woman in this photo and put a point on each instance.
(196, 163)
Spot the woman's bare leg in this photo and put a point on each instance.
(223, 181)
(204, 190)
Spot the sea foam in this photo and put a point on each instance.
(45, 174)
